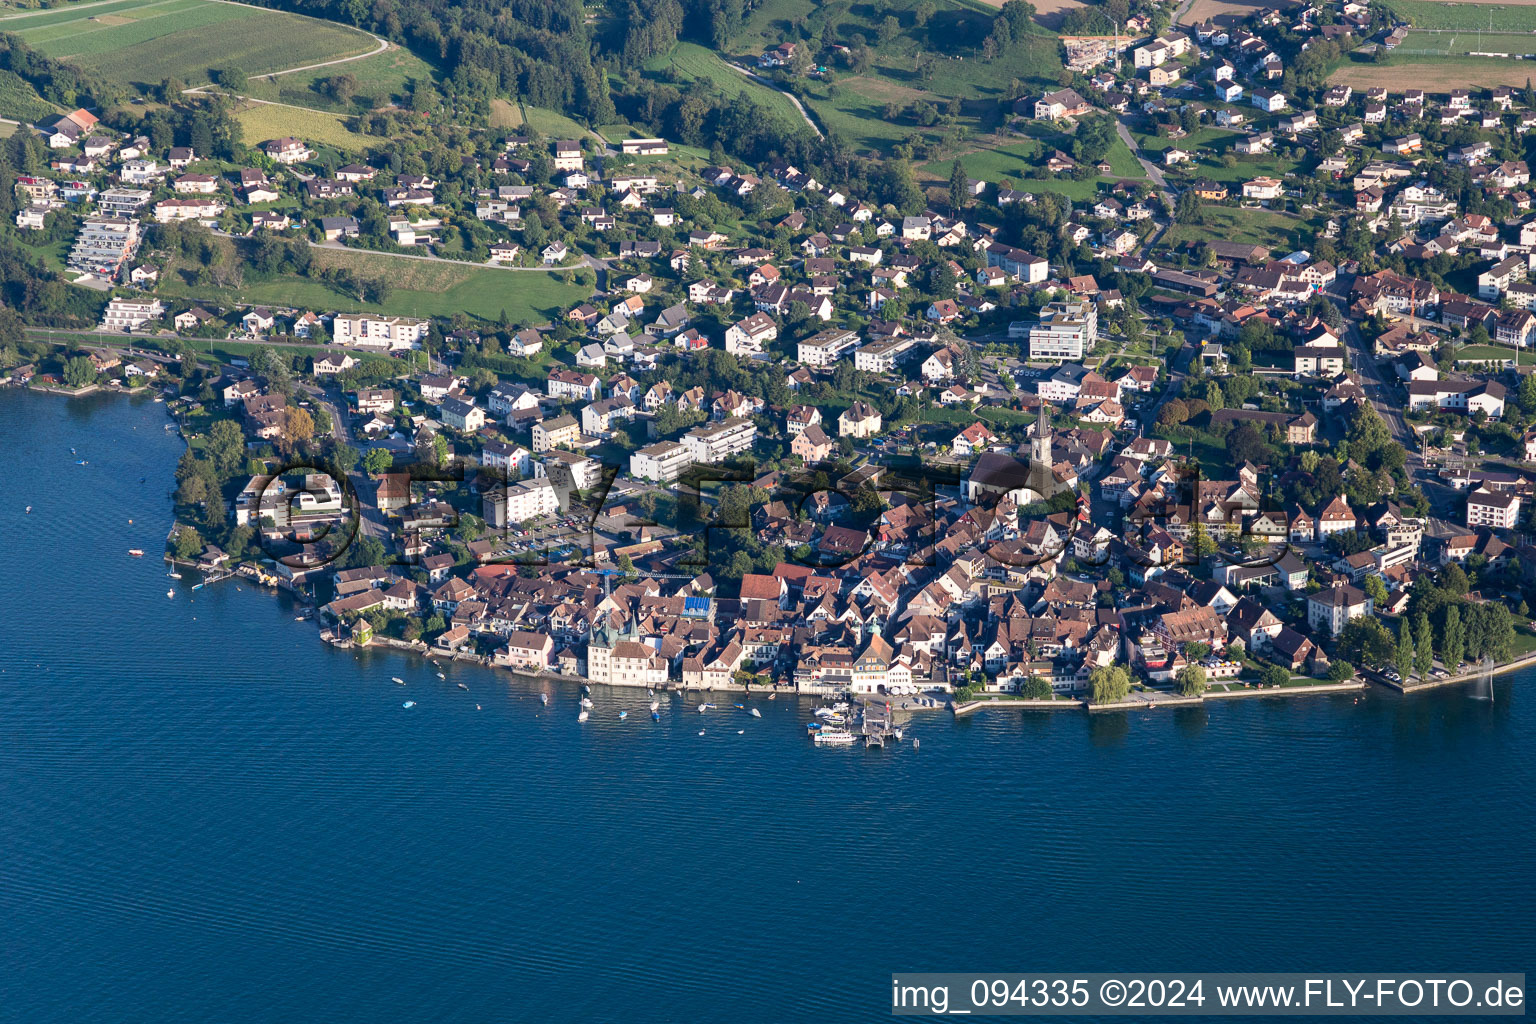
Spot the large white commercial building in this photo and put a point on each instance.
(719, 441)
(661, 463)
(364, 330)
(1066, 331)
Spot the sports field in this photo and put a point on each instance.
(1454, 43)
(141, 42)
(1508, 16)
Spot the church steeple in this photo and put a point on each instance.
(1040, 441)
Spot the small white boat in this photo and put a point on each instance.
(741, 732)
(441, 676)
(756, 713)
(397, 679)
(916, 744)
(29, 510)
(177, 576)
(583, 716)
(586, 702)
(136, 552)
(772, 696)
(701, 732)
(170, 593)
(409, 704)
(544, 699)
(463, 687)
(835, 737)
(655, 705)
(704, 707)
(623, 715)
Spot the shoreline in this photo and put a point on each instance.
(1524, 661)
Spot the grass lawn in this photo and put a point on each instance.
(1215, 464)
(692, 62)
(853, 106)
(263, 121)
(1233, 224)
(418, 288)
(552, 124)
(143, 43)
(1469, 353)
(1019, 163)
(384, 79)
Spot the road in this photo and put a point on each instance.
(373, 524)
(1383, 394)
(1153, 171)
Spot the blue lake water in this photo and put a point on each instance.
(206, 814)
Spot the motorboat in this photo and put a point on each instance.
(409, 704)
(397, 679)
(170, 593)
(623, 715)
(756, 713)
(29, 510)
(463, 687)
(655, 704)
(773, 696)
(136, 552)
(441, 676)
(544, 699)
(655, 716)
(705, 707)
(583, 716)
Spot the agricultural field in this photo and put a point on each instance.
(381, 79)
(263, 121)
(1227, 12)
(18, 100)
(1508, 16)
(1435, 74)
(141, 42)
(417, 288)
(691, 62)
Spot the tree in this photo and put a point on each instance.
(79, 371)
(226, 446)
(1376, 590)
(186, 542)
(1246, 444)
(298, 426)
(1453, 640)
(1341, 672)
(378, 460)
(1109, 684)
(1189, 209)
(626, 567)
(1275, 676)
(1423, 649)
(234, 80)
(957, 189)
(1365, 638)
(1403, 661)
(1037, 688)
(1192, 680)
